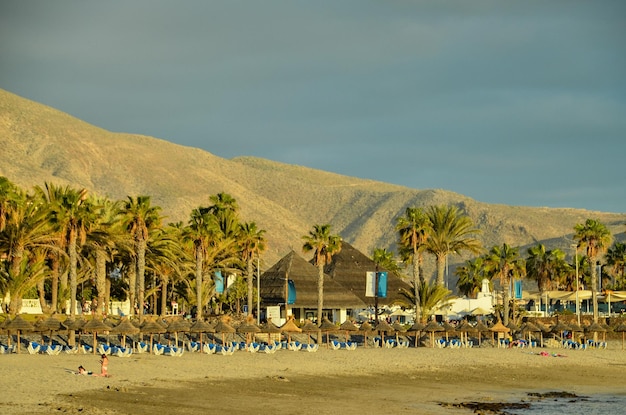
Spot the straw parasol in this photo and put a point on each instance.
(50, 324)
(290, 327)
(499, 329)
(178, 325)
(348, 326)
(270, 328)
(326, 327)
(95, 326)
(448, 329)
(481, 328)
(417, 328)
(150, 326)
(398, 328)
(383, 328)
(200, 326)
(223, 328)
(124, 327)
(559, 328)
(19, 325)
(309, 327)
(464, 327)
(366, 328)
(248, 328)
(595, 328)
(432, 327)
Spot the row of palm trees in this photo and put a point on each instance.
(54, 237)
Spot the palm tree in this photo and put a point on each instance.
(71, 212)
(201, 227)
(545, 266)
(505, 263)
(251, 243)
(324, 245)
(138, 218)
(225, 209)
(452, 232)
(470, 277)
(26, 234)
(595, 237)
(433, 297)
(616, 260)
(414, 229)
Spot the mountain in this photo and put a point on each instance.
(40, 144)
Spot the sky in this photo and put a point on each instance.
(508, 102)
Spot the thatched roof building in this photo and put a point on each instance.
(273, 289)
(349, 268)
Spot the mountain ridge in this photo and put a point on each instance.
(42, 144)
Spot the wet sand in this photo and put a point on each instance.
(363, 381)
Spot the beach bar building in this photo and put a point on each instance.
(344, 287)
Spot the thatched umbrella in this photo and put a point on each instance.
(123, 328)
(499, 330)
(398, 328)
(178, 325)
(348, 326)
(19, 325)
(75, 325)
(417, 328)
(248, 328)
(95, 326)
(595, 328)
(200, 326)
(464, 327)
(383, 328)
(50, 324)
(481, 328)
(270, 328)
(432, 327)
(327, 326)
(366, 328)
(559, 328)
(290, 327)
(309, 327)
(150, 326)
(448, 329)
(529, 327)
(223, 327)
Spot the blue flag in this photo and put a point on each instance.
(219, 282)
(382, 284)
(518, 289)
(291, 292)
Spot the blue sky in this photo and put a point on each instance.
(516, 102)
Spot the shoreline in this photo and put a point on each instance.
(361, 381)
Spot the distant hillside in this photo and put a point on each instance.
(42, 144)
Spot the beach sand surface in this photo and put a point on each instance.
(363, 381)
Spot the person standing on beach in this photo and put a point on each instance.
(104, 366)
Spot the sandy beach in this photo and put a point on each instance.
(363, 381)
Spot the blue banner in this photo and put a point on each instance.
(291, 292)
(219, 282)
(382, 284)
(518, 289)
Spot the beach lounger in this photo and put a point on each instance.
(268, 348)
(294, 346)
(123, 351)
(54, 349)
(142, 347)
(33, 347)
(209, 348)
(313, 347)
(253, 347)
(390, 343)
(173, 351)
(226, 350)
(193, 346)
(104, 349)
(158, 349)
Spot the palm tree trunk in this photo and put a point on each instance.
(250, 284)
(320, 292)
(54, 291)
(199, 261)
(505, 305)
(594, 287)
(164, 283)
(101, 275)
(73, 274)
(141, 280)
(441, 267)
(42, 297)
(416, 284)
(132, 285)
